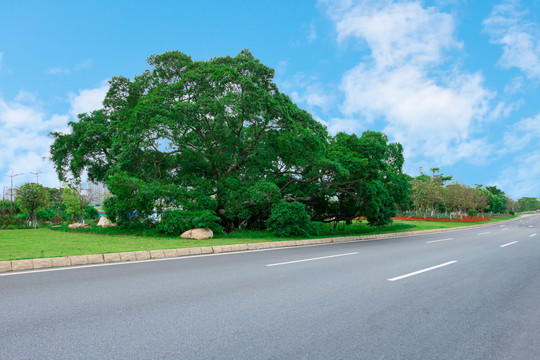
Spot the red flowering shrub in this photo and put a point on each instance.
(462, 219)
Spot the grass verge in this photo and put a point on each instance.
(39, 243)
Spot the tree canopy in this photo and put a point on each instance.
(30, 198)
(218, 135)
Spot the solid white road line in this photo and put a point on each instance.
(532, 235)
(311, 259)
(434, 241)
(510, 243)
(505, 229)
(484, 233)
(76, 267)
(422, 271)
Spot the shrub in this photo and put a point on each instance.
(90, 212)
(175, 222)
(110, 207)
(57, 220)
(15, 221)
(290, 219)
(472, 212)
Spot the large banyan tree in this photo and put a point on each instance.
(218, 136)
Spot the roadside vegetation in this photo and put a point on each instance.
(215, 144)
(44, 242)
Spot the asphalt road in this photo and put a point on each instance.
(465, 294)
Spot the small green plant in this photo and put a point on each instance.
(290, 219)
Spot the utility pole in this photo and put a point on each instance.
(59, 198)
(37, 175)
(12, 175)
(3, 201)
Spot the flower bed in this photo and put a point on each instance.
(462, 219)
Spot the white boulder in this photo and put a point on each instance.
(78, 226)
(198, 234)
(104, 222)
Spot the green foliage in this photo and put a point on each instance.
(7, 204)
(528, 204)
(175, 222)
(290, 219)
(134, 199)
(362, 176)
(90, 212)
(71, 200)
(16, 222)
(218, 135)
(497, 200)
(244, 202)
(110, 208)
(472, 212)
(30, 198)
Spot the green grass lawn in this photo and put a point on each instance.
(28, 244)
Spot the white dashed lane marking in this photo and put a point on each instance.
(422, 271)
(510, 243)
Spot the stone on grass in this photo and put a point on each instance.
(198, 234)
(104, 222)
(79, 226)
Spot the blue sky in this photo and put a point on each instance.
(456, 82)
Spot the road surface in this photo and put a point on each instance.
(464, 294)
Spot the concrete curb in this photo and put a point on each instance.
(42, 263)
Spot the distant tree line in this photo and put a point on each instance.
(35, 204)
(436, 194)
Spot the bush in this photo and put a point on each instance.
(15, 221)
(472, 212)
(110, 207)
(290, 219)
(57, 220)
(175, 222)
(90, 212)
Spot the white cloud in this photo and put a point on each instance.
(312, 36)
(84, 65)
(434, 113)
(24, 128)
(58, 70)
(346, 125)
(282, 68)
(515, 85)
(398, 33)
(525, 133)
(313, 95)
(503, 110)
(309, 92)
(88, 100)
(62, 70)
(507, 26)
(25, 97)
(521, 178)
(17, 116)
